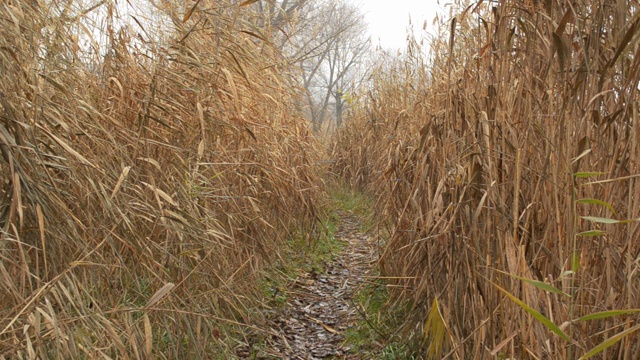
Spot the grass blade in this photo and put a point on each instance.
(607, 314)
(539, 284)
(536, 314)
(597, 202)
(601, 220)
(609, 342)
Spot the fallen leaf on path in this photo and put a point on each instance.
(329, 328)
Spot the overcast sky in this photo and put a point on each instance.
(389, 19)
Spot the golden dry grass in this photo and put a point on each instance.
(148, 173)
(485, 159)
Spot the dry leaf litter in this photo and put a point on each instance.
(320, 307)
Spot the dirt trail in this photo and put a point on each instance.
(320, 309)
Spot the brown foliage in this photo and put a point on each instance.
(475, 156)
(147, 176)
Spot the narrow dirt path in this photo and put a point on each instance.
(320, 307)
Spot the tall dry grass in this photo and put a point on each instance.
(497, 160)
(152, 164)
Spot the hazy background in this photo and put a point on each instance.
(389, 20)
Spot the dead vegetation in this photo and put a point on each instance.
(152, 163)
(506, 166)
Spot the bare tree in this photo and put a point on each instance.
(332, 66)
(327, 41)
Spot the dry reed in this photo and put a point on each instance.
(497, 161)
(152, 164)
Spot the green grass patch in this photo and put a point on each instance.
(375, 337)
(312, 252)
(304, 253)
(342, 198)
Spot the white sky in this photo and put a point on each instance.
(389, 19)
